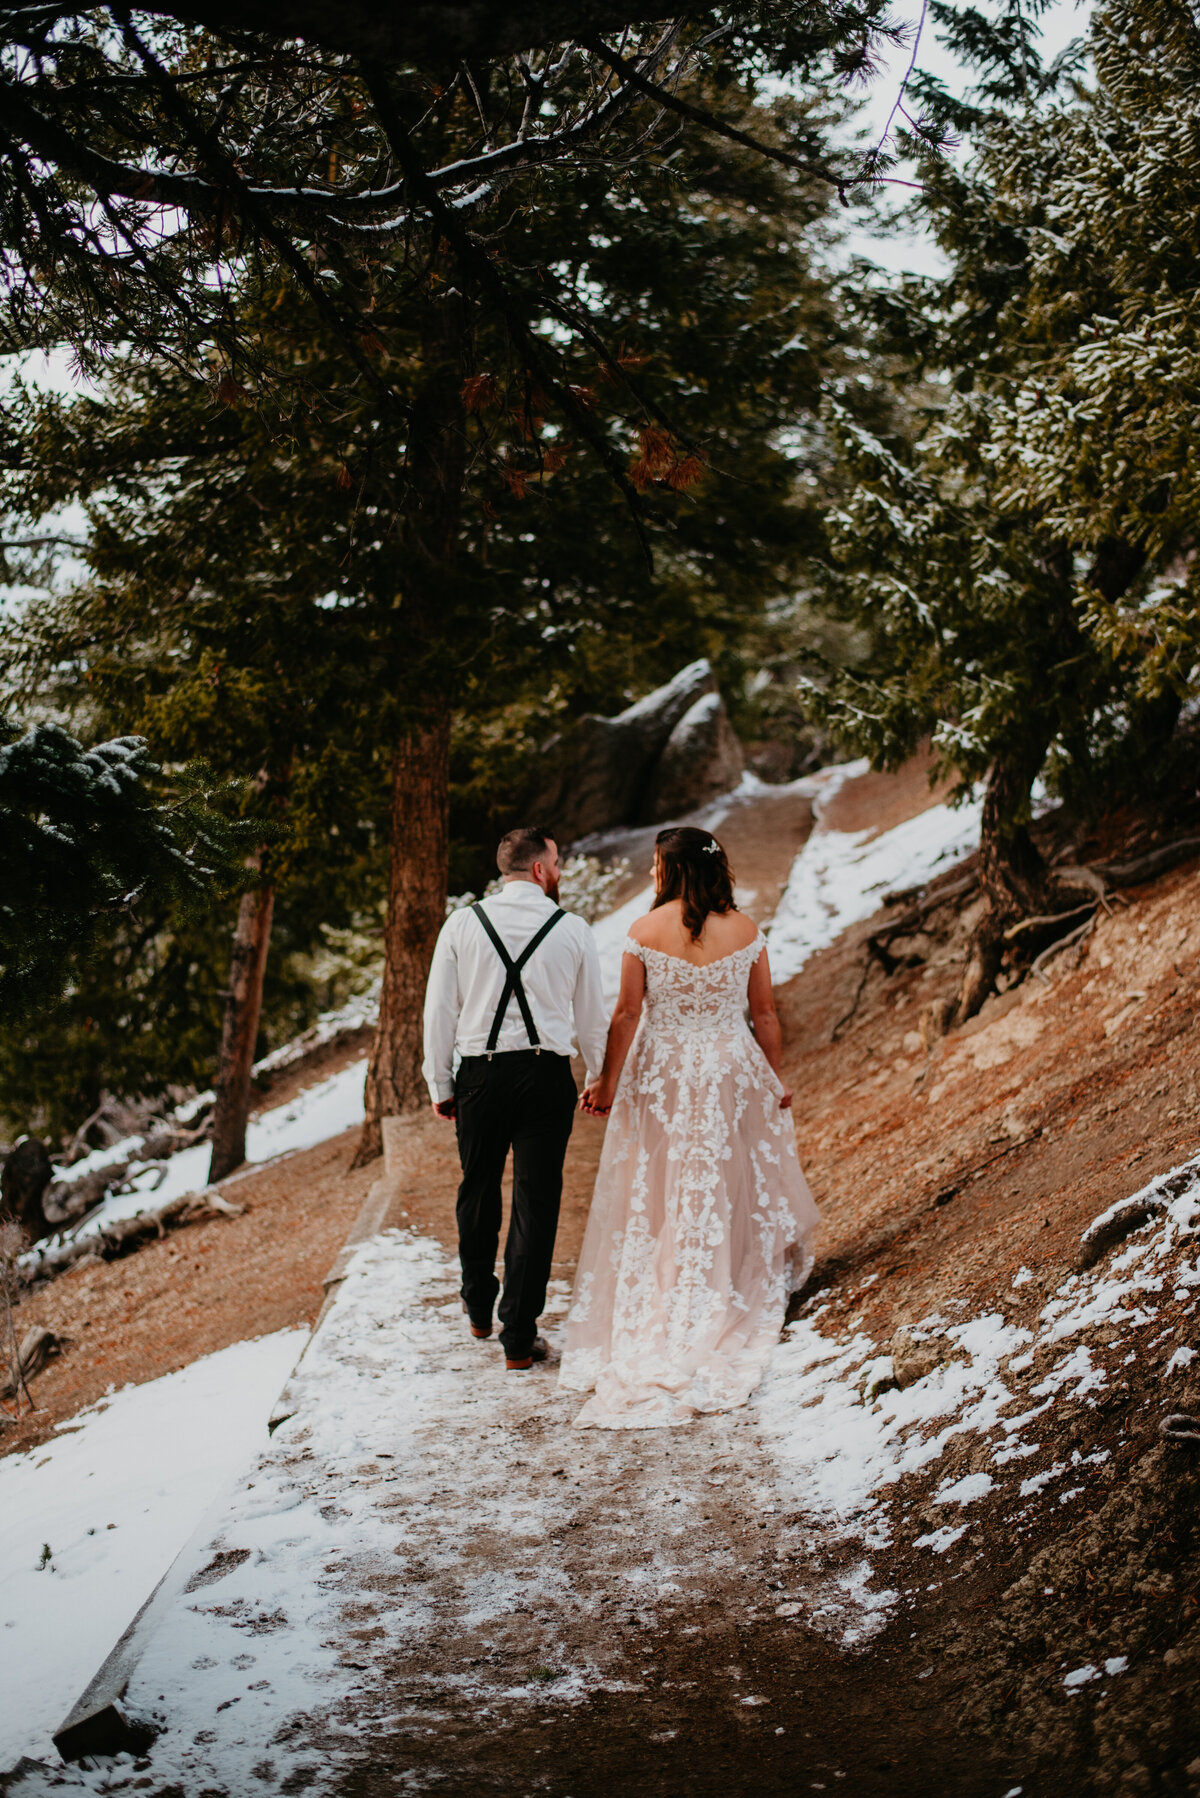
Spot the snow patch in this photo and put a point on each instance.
(966, 1490)
(840, 876)
(94, 1517)
(321, 1111)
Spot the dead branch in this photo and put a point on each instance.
(1082, 877)
(878, 943)
(921, 910)
(1045, 919)
(37, 1346)
(858, 993)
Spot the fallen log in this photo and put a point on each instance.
(128, 1233)
(1150, 865)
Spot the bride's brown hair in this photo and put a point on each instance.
(694, 869)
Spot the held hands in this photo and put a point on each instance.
(446, 1108)
(597, 1099)
(785, 1100)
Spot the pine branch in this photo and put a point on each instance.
(475, 262)
(632, 76)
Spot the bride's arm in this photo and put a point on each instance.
(598, 1097)
(765, 1020)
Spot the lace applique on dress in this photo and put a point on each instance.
(701, 1220)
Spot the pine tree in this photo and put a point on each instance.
(310, 593)
(1022, 560)
(89, 834)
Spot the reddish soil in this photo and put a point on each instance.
(947, 1168)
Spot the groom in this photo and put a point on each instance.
(507, 974)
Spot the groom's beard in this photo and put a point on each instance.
(550, 887)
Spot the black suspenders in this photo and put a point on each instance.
(512, 977)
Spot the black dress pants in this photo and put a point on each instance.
(523, 1101)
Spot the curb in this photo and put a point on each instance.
(374, 1216)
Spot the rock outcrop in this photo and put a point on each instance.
(605, 772)
(702, 758)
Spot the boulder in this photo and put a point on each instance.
(23, 1179)
(916, 1354)
(598, 772)
(701, 759)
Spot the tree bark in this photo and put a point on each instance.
(420, 827)
(243, 1004)
(1012, 874)
(416, 911)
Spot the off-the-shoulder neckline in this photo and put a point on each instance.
(666, 955)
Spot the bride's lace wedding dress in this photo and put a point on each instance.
(701, 1220)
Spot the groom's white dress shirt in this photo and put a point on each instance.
(467, 978)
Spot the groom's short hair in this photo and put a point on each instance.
(519, 849)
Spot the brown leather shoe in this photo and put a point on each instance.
(521, 1363)
(481, 1332)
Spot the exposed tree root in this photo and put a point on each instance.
(878, 943)
(1004, 937)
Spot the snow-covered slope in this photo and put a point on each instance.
(840, 876)
(93, 1519)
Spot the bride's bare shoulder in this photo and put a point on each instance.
(663, 929)
(656, 927)
(730, 930)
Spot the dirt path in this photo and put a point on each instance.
(432, 1583)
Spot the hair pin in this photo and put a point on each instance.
(712, 848)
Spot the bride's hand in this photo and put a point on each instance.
(596, 1100)
(785, 1100)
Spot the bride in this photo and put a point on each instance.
(701, 1220)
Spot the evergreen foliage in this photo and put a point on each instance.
(252, 595)
(89, 836)
(153, 171)
(1023, 560)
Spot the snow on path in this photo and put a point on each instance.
(428, 1539)
(840, 876)
(113, 1497)
(427, 1550)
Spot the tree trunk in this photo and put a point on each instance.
(243, 1004)
(1012, 875)
(420, 829)
(416, 911)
